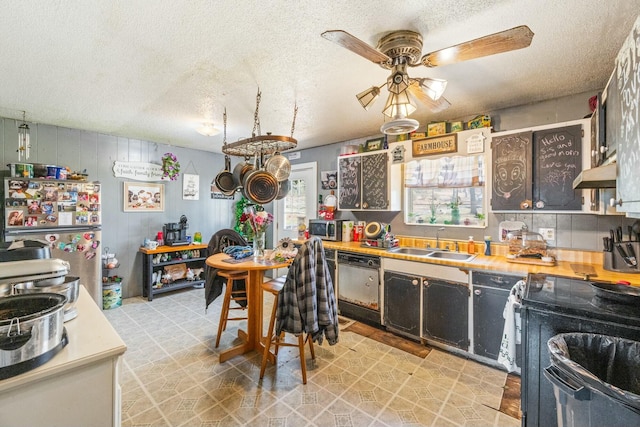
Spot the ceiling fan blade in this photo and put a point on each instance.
(355, 45)
(435, 106)
(504, 41)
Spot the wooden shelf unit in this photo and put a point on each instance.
(149, 268)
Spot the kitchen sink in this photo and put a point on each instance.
(411, 251)
(454, 256)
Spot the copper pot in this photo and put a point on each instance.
(260, 187)
(240, 171)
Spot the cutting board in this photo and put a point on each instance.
(530, 261)
(583, 269)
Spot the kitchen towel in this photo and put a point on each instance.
(512, 327)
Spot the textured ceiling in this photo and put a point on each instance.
(157, 69)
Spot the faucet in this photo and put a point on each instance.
(438, 237)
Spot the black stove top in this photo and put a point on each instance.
(573, 296)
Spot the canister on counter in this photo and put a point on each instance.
(358, 231)
(347, 230)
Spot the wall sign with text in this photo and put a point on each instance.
(435, 145)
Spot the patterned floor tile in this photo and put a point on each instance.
(171, 376)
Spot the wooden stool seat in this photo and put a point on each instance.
(229, 295)
(274, 287)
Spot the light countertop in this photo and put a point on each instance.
(91, 339)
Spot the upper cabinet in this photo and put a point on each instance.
(365, 182)
(623, 122)
(534, 169)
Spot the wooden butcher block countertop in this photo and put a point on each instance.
(567, 262)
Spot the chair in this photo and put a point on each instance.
(307, 284)
(237, 295)
(235, 280)
(274, 287)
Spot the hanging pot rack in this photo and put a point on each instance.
(262, 145)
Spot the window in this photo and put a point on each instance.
(447, 191)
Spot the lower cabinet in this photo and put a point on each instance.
(446, 312)
(402, 303)
(490, 293)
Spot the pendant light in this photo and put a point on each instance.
(23, 139)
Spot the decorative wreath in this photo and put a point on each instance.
(170, 166)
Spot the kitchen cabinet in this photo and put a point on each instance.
(490, 293)
(366, 181)
(402, 303)
(156, 262)
(534, 168)
(446, 312)
(79, 386)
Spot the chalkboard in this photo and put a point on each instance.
(557, 159)
(512, 174)
(374, 181)
(349, 170)
(627, 124)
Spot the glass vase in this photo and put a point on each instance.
(258, 245)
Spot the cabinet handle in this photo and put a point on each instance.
(414, 282)
(477, 292)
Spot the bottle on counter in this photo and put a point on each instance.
(487, 245)
(160, 238)
(197, 237)
(471, 246)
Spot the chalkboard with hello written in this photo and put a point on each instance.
(557, 162)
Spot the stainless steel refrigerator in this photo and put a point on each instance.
(64, 213)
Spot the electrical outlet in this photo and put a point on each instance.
(548, 233)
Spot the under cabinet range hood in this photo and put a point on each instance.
(598, 177)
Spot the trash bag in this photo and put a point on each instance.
(605, 364)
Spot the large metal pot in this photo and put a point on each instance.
(31, 329)
(283, 189)
(70, 289)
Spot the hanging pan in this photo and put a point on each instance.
(279, 166)
(240, 170)
(260, 186)
(224, 180)
(283, 189)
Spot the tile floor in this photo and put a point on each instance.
(170, 376)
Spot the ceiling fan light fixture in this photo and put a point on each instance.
(367, 97)
(399, 126)
(207, 129)
(434, 88)
(399, 105)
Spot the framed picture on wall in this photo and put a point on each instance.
(374, 144)
(190, 187)
(143, 197)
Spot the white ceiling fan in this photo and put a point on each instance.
(401, 49)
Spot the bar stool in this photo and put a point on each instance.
(274, 287)
(230, 295)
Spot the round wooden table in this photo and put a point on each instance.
(252, 338)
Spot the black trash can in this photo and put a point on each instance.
(596, 380)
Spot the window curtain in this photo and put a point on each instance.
(445, 172)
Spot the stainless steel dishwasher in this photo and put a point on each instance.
(359, 287)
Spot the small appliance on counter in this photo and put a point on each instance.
(326, 229)
(32, 318)
(175, 234)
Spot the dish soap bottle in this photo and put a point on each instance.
(471, 246)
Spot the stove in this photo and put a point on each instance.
(577, 297)
(554, 305)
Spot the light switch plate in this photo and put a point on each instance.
(548, 233)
